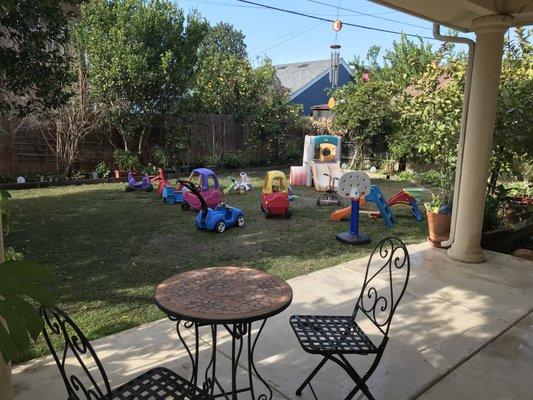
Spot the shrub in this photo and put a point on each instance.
(232, 161)
(494, 207)
(126, 161)
(102, 169)
(407, 176)
(432, 178)
(159, 157)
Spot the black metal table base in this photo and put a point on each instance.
(241, 336)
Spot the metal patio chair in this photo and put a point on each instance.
(333, 337)
(63, 336)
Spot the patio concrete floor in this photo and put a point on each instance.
(462, 331)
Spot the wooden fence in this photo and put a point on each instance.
(23, 150)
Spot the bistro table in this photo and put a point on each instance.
(231, 297)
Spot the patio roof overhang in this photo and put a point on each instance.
(459, 14)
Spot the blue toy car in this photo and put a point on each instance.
(220, 218)
(215, 219)
(171, 195)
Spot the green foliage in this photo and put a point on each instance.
(20, 280)
(159, 157)
(366, 110)
(33, 75)
(431, 177)
(102, 169)
(231, 160)
(406, 176)
(494, 207)
(142, 58)
(126, 160)
(513, 131)
(223, 38)
(176, 144)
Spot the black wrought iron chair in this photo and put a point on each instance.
(334, 337)
(63, 337)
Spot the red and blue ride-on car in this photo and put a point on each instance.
(206, 183)
(172, 195)
(214, 219)
(275, 196)
(145, 184)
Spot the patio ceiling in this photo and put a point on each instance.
(459, 14)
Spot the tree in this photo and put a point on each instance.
(406, 61)
(33, 58)
(513, 132)
(142, 59)
(223, 38)
(366, 110)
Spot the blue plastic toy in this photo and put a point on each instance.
(171, 195)
(217, 219)
(144, 184)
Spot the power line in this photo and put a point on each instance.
(292, 37)
(331, 20)
(367, 14)
(282, 36)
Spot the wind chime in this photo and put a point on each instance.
(335, 60)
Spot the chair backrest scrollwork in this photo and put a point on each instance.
(387, 274)
(65, 339)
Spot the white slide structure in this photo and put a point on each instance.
(318, 170)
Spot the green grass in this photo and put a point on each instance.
(109, 249)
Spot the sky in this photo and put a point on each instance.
(286, 38)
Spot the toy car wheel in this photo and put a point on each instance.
(339, 201)
(185, 206)
(129, 189)
(170, 200)
(288, 214)
(318, 201)
(240, 221)
(220, 226)
(149, 188)
(267, 213)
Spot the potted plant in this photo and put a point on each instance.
(439, 216)
(125, 161)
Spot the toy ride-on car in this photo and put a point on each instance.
(144, 184)
(217, 219)
(172, 195)
(275, 196)
(207, 187)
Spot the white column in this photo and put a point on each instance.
(490, 32)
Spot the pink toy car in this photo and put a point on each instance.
(208, 188)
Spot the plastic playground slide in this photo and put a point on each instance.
(319, 169)
(339, 215)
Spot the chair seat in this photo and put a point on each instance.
(158, 384)
(320, 334)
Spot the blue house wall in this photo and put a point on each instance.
(317, 93)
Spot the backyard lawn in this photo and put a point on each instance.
(109, 249)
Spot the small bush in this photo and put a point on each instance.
(432, 178)
(126, 161)
(102, 169)
(407, 176)
(232, 161)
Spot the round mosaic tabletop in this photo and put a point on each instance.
(223, 295)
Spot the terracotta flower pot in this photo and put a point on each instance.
(120, 174)
(439, 228)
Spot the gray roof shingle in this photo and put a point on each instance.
(296, 75)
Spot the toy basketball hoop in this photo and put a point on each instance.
(354, 185)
